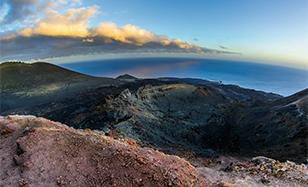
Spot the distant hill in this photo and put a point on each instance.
(126, 77)
(25, 84)
(18, 75)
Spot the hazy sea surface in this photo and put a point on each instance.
(277, 79)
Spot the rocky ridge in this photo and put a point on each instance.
(38, 152)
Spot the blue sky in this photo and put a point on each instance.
(266, 31)
(251, 27)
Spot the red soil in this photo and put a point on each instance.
(38, 152)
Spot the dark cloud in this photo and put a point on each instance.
(20, 9)
(38, 47)
(29, 10)
(223, 47)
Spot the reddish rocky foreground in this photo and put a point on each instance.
(38, 152)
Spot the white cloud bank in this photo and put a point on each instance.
(67, 32)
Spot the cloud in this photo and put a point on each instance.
(223, 47)
(65, 33)
(135, 35)
(74, 23)
(126, 34)
(88, 40)
(27, 47)
(21, 11)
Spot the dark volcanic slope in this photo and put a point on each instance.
(19, 76)
(16, 76)
(176, 115)
(24, 84)
(278, 129)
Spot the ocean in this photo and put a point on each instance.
(282, 80)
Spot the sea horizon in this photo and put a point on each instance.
(269, 78)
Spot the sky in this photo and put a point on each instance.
(265, 31)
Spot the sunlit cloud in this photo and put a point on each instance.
(126, 34)
(73, 23)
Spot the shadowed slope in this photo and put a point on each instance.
(19, 76)
(25, 84)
